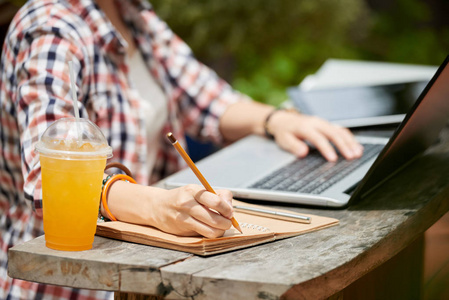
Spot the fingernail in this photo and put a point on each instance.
(353, 153)
(301, 152)
(331, 156)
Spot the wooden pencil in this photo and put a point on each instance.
(197, 172)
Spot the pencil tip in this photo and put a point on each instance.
(236, 224)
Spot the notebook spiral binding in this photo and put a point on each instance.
(253, 226)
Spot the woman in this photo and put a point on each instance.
(137, 81)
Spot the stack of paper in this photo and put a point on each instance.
(337, 73)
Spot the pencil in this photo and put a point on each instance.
(274, 214)
(197, 172)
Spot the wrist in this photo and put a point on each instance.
(269, 129)
(266, 128)
(132, 203)
(107, 184)
(152, 203)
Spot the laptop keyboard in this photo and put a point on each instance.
(314, 174)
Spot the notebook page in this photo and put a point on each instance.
(253, 227)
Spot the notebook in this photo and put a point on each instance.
(243, 166)
(256, 230)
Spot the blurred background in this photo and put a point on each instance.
(263, 47)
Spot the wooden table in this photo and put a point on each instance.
(375, 253)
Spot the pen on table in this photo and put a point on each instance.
(197, 172)
(276, 214)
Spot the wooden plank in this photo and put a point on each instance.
(398, 278)
(110, 265)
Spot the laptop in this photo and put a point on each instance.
(370, 104)
(256, 168)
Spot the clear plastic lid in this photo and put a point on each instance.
(71, 139)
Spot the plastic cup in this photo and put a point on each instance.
(72, 173)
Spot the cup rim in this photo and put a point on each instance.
(106, 152)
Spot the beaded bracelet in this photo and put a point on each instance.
(107, 182)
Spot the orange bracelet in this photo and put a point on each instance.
(106, 187)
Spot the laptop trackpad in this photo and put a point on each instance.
(243, 163)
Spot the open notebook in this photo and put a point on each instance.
(256, 230)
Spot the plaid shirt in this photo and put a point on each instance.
(35, 91)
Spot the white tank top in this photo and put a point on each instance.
(154, 104)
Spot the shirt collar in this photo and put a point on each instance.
(104, 33)
(131, 12)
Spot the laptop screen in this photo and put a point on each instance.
(360, 105)
(418, 131)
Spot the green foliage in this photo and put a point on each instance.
(264, 46)
(406, 32)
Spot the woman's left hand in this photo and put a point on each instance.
(291, 130)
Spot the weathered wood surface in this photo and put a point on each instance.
(312, 266)
(111, 265)
(317, 265)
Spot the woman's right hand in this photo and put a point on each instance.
(188, 211)
(191, 210)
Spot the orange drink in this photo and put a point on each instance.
(72, 173)
(71, 197)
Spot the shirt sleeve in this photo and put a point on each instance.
(200, 94)
(42, 95)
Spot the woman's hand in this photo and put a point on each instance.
(191, 210)
(292, 129)
(188, 211)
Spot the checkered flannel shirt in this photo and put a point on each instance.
(35, 91)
